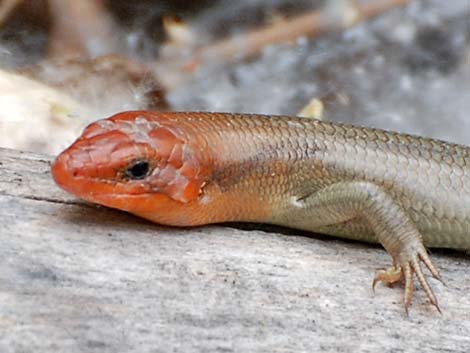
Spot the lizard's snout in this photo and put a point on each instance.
(65, 172)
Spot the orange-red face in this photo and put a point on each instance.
(132, 161)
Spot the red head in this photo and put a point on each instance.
(139, 162)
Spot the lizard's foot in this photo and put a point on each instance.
(405, 266)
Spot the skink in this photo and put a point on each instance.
(402, 191)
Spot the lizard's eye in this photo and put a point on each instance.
(138, 170)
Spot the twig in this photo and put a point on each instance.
(81, 28)
(312, 24)
(6, 8)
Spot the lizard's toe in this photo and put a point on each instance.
(416, 267)
(390, 276)
(407, 264)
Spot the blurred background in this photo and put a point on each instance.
(395, 64)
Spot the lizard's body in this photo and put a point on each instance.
(354, 182)
(287, 160)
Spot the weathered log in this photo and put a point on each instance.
(75, 277)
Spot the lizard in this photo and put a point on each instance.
(193, 168)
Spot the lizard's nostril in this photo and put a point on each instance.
(64, 169)
(67, 172)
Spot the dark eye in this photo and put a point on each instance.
(138, 170)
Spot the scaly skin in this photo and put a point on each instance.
(196, 168)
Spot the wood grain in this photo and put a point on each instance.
(80, 278)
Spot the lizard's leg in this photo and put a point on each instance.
(393, 228)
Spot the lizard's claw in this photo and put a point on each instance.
(405, 268)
